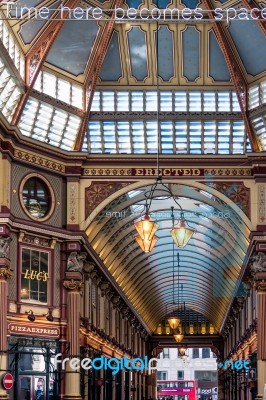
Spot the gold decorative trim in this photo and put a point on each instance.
(73, 284)
(37, 160)
(5, 273)
(228, 172)
(167, 172)
(107, 172)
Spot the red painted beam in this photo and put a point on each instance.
(236, 73)
(93, 73)
(38, 53)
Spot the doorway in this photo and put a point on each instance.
(32, 387)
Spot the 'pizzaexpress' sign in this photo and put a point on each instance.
(24, 329)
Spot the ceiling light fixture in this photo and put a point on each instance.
(145, 227)
(181, 233)
(173, 319)
(178, 333)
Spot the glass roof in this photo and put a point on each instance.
(166, 95)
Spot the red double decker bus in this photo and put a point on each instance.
(177, 390)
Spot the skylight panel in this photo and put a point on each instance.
(123, 137)
(151, 101)
(14, 51)
(166, 101)
(138, 137)
(108, 101)
(180, 101)
(209, 101)
(60, 89)
(195, 101)
(63, 91)
(254, 98)
(137, 102)
(134, 193)
(206, 194)
(209, 137)
(48, 122)
(9, 92)
(123, 100)
(224, 101)
(151, 135)
(96, 101)
(263, 92)
(235, 103)
(167, 137)
(181, 134)
(239, 137)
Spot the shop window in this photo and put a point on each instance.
(180, 374)
(195, 353)
(162, 375)
(34, 275)
(166, 353)
(37, 197)
(206, 353)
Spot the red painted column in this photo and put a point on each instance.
(73, 283)
(260, 285)
(5, 274)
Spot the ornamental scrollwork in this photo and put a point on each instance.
(5, 273)
(72, 284)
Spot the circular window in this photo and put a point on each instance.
(37, 197)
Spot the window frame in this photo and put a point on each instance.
(51, 206)
(49, 278)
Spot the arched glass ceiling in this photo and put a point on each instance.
(209, 264)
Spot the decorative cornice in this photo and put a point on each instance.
(39, 160)
(5, 273)
(72, 284)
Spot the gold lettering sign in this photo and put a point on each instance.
(35, 275)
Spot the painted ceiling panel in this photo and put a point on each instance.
(165, 53)
(161, 4)
(133, 3)
(191, 55)
(111, 69)
(138, 53)
(218, 69)
(251, 45)
(192, 4)
(73, 45)
(30, 29)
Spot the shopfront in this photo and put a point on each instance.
(31, 362)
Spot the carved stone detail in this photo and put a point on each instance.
(260, 285)
(76, 261)
(89, 267)
(5, 247)
(258, 263)
(5, 273)
(73, 284)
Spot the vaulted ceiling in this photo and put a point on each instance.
(210, 264)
